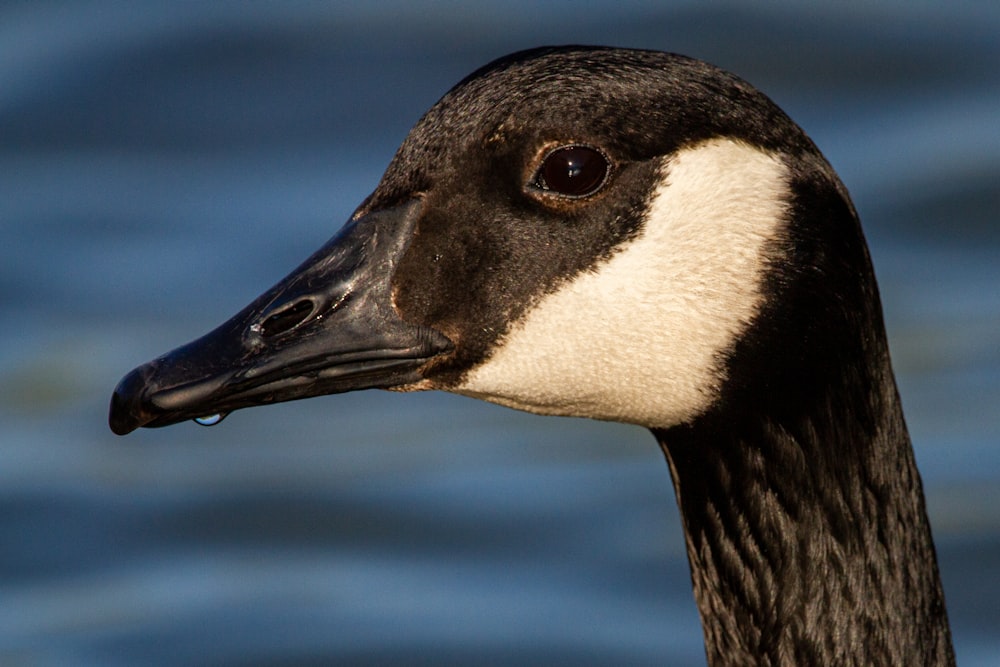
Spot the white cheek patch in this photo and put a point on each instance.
(640, 338)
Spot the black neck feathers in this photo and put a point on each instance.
(807, 545)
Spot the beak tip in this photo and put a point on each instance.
(119, 418)
(127, 411)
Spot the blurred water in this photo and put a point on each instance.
(162, 163)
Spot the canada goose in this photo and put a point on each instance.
(639, 237)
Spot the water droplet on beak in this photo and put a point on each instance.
(210, 420)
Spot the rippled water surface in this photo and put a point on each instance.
(162, 164)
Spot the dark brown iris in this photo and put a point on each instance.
(573, 171)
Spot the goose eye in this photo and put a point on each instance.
(572, 171)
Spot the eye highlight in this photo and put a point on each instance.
(572, 171)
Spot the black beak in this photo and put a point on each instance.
(328, 327)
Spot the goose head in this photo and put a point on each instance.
(570, 231)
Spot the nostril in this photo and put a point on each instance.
(287, 319)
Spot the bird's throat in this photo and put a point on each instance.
(808, 539)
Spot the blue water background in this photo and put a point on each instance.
(161, 164)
